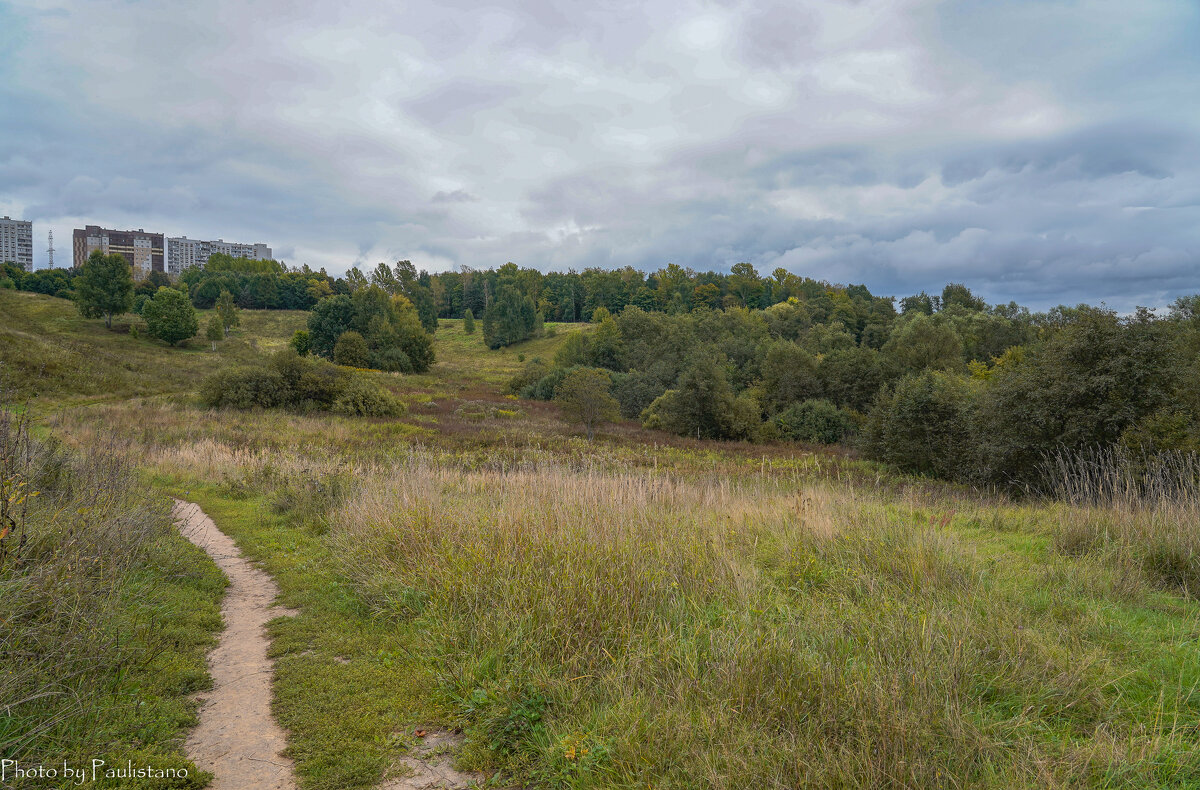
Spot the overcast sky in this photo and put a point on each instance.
(1039, 151)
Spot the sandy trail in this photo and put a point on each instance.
(237, 739)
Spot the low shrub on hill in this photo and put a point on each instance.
(288, 381)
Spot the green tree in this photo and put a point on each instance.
(301, 342)
(390, 327)
(702, 404)
(851, 377)
(706, 295)
(924, 426)
(510, 318)
(584, 397)
(604, 348)
(1087, 383)
(789, 375)
(745, 284)
(214, 331)
(920, 303)
(468, 322)
(960, 295)
(422, 300)
(328, 320)
(104, 287)
(351, 350)
(170, 317)
(924, 342)
(228, 312)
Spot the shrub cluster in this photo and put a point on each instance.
(288, 381)
(815, 420)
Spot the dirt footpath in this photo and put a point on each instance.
(237, 739)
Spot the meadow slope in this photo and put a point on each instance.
(646, 610)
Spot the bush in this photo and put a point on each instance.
(584, 398)
(308, 383)
(527, 376)
(816, 421)
(363, 398)
(243, 388)
(546, 387)
(923, 426)
(288, 381)
(703, 405)
(351, 350)
(574, 350)
(392, 359)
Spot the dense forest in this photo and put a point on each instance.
(963, 391)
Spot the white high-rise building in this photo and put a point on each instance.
(16, 242)
(183, 252)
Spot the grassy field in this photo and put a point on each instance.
(52, 354)
(651, 611)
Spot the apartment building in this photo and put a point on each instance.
(16, 242)
(143, 250)
(183, 252)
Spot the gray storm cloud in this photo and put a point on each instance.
(1038, 151)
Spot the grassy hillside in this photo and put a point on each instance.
(652, 611)
(51, 353)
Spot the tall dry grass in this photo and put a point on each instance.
(76, 536)
(594, 628)
(1142, 513)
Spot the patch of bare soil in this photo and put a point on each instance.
(237, 739)
(429, 766)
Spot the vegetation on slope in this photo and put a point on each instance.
(691, 613)
(107, 612)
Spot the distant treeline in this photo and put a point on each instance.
(575, 296)
(257, 285)
(941, 384)
(52, 282)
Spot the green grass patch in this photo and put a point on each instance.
(349, 687)
(56, 357)
(107, 612)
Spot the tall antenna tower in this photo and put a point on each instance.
(50, 250)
